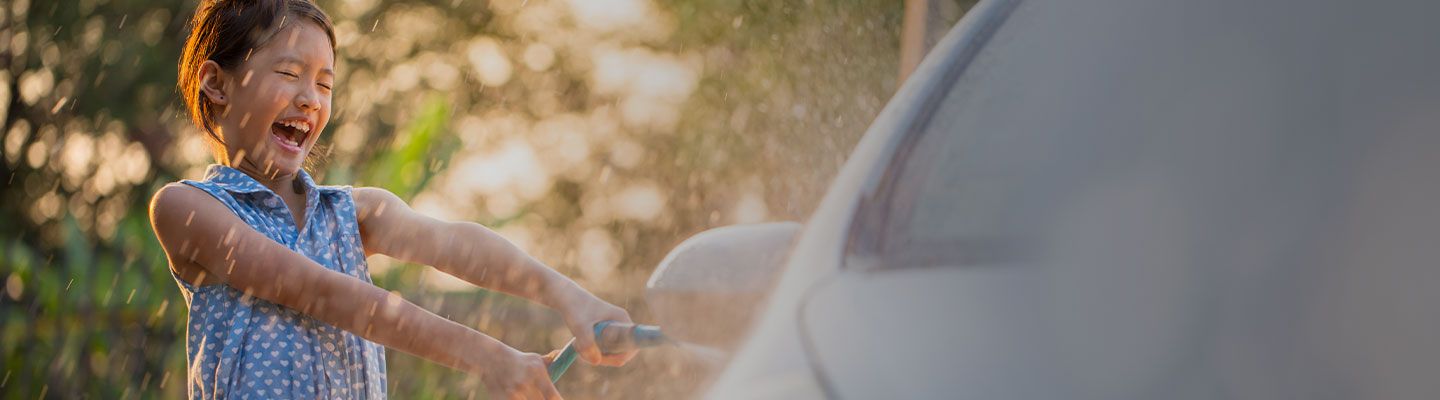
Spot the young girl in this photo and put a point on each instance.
(273, 265)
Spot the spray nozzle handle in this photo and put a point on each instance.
(612, 338)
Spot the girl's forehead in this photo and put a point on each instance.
(302, 42)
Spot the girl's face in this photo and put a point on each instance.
(278, 101)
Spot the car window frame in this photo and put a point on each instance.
(871, 222)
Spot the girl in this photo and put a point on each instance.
(273, 265)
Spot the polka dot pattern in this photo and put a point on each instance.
(241, 347)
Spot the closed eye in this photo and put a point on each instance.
(289, 74)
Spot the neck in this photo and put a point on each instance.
(271, 177)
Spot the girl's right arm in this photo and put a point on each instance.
(196, 229)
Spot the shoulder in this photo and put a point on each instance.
(373, 202)
(177, 204)
(174, 197)
(180, 214)
(172, 208)
(373, 197)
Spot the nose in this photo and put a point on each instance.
(307, 100)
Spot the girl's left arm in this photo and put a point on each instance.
(478, 255)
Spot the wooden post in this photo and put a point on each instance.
(921, 28)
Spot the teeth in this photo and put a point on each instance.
(301, 126)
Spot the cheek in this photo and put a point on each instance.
(279, 91)
(266, 92)
(325, 112)
(258, 97)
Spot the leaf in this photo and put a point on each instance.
(407, 166)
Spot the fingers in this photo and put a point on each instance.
(540, 386)
(528, 380)
(617, 360)
(514, 394)
(618, 315)
(550, 357)
(532, 392)
(546, 390)
(622, 316)
(537, 392)
(585, 344)
(582, 323)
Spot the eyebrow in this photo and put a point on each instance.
(293, 60)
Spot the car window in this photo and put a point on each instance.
(1055, 100)
(984, 169)
(969, 197)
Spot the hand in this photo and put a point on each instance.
(514, 375)
(582, 311)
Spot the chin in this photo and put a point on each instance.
(290, 167)
(282, 164)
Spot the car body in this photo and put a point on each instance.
(1125, 199)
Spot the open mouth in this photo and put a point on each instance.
(290, 134)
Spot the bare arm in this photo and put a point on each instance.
(466, 250)
(196, 229)
(476, 254)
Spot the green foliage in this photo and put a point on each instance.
(417, 154)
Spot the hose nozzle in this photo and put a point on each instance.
(612, 338)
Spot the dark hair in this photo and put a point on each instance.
(227, 32)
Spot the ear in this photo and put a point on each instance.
(212, 83)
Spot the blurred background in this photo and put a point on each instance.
(594, 134)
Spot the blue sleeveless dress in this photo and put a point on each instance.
(240, 347)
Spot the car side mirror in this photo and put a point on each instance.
(706, 289)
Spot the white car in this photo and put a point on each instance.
(1110, 199)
